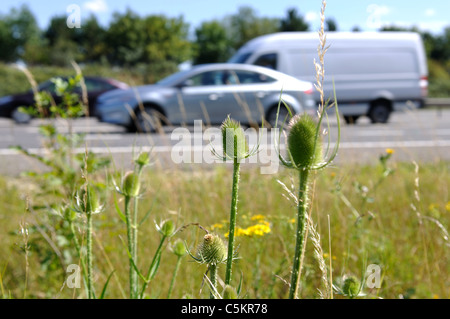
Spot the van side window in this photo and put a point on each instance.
(267, 60)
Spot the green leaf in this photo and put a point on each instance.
(119, 211)
(106, 285)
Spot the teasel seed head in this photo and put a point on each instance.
(351, 287)
(304, 145)
(88, 201)
(131, 184)
(231, 131)
(166, 228)
(179, 248)
(143, 159)
(212, 250)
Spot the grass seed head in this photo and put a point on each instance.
(302, 144)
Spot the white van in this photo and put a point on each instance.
(374, 73)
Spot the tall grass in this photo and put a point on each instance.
(413, 255)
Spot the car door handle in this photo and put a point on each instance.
(261, 94)
(214, 96)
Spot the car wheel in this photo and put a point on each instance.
(148, 120)
(19, 117)
(379, 112)
(351, 119)
(283, 116)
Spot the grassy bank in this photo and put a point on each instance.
(395, 219)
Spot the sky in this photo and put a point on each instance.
(368, 15)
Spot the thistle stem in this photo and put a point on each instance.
(175, 272)
(300, 235)
(213, 278)
(233, 213)
(135, 244)
(130, 246)
(89, 255)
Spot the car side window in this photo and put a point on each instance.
(247, 77)
(207, 78)
(267, 60)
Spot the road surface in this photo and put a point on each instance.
(419, 135)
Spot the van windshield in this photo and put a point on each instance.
(240, 57)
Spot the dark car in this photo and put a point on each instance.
(95, 86)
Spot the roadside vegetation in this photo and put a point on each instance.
(84, 228)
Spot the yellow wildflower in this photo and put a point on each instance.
(258, 217)
(447, 207)
(390, 151)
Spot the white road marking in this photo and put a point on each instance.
(169, 148)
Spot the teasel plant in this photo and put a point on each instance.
(235, 148)
(131, 190)
(88, 204)
(305, 151)
(212, 252)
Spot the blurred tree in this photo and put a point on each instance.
(331, 25)
(92, 40)
(16, 29)
(8, 44)
(246, 25)
(211, 44)
(124, 38)
(293, 22)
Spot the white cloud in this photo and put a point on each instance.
(311, 16)
(96, 6)
(430, 12)
(376, 13)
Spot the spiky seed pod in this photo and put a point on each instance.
(143, 159)
(179, 248)
(88, 201)
(351, 287)
(212, 250)
(230, 292)
(302, 144)
(232, 130)
(167, 228)
(131, 184)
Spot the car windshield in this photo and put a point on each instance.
(173, 79)
(240, 57)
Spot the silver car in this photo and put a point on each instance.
(207, 92)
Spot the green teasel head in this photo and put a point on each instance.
(212, 250)
(234, 142)
(351, 287)
(88, 201)
(166, 228)
(304, 144)
(131, 184)
(179, 248)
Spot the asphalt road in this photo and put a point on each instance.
(420, 135)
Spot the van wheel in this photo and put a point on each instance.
(19, 117)
(147, 121)
(379, 112)
(351, 119)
